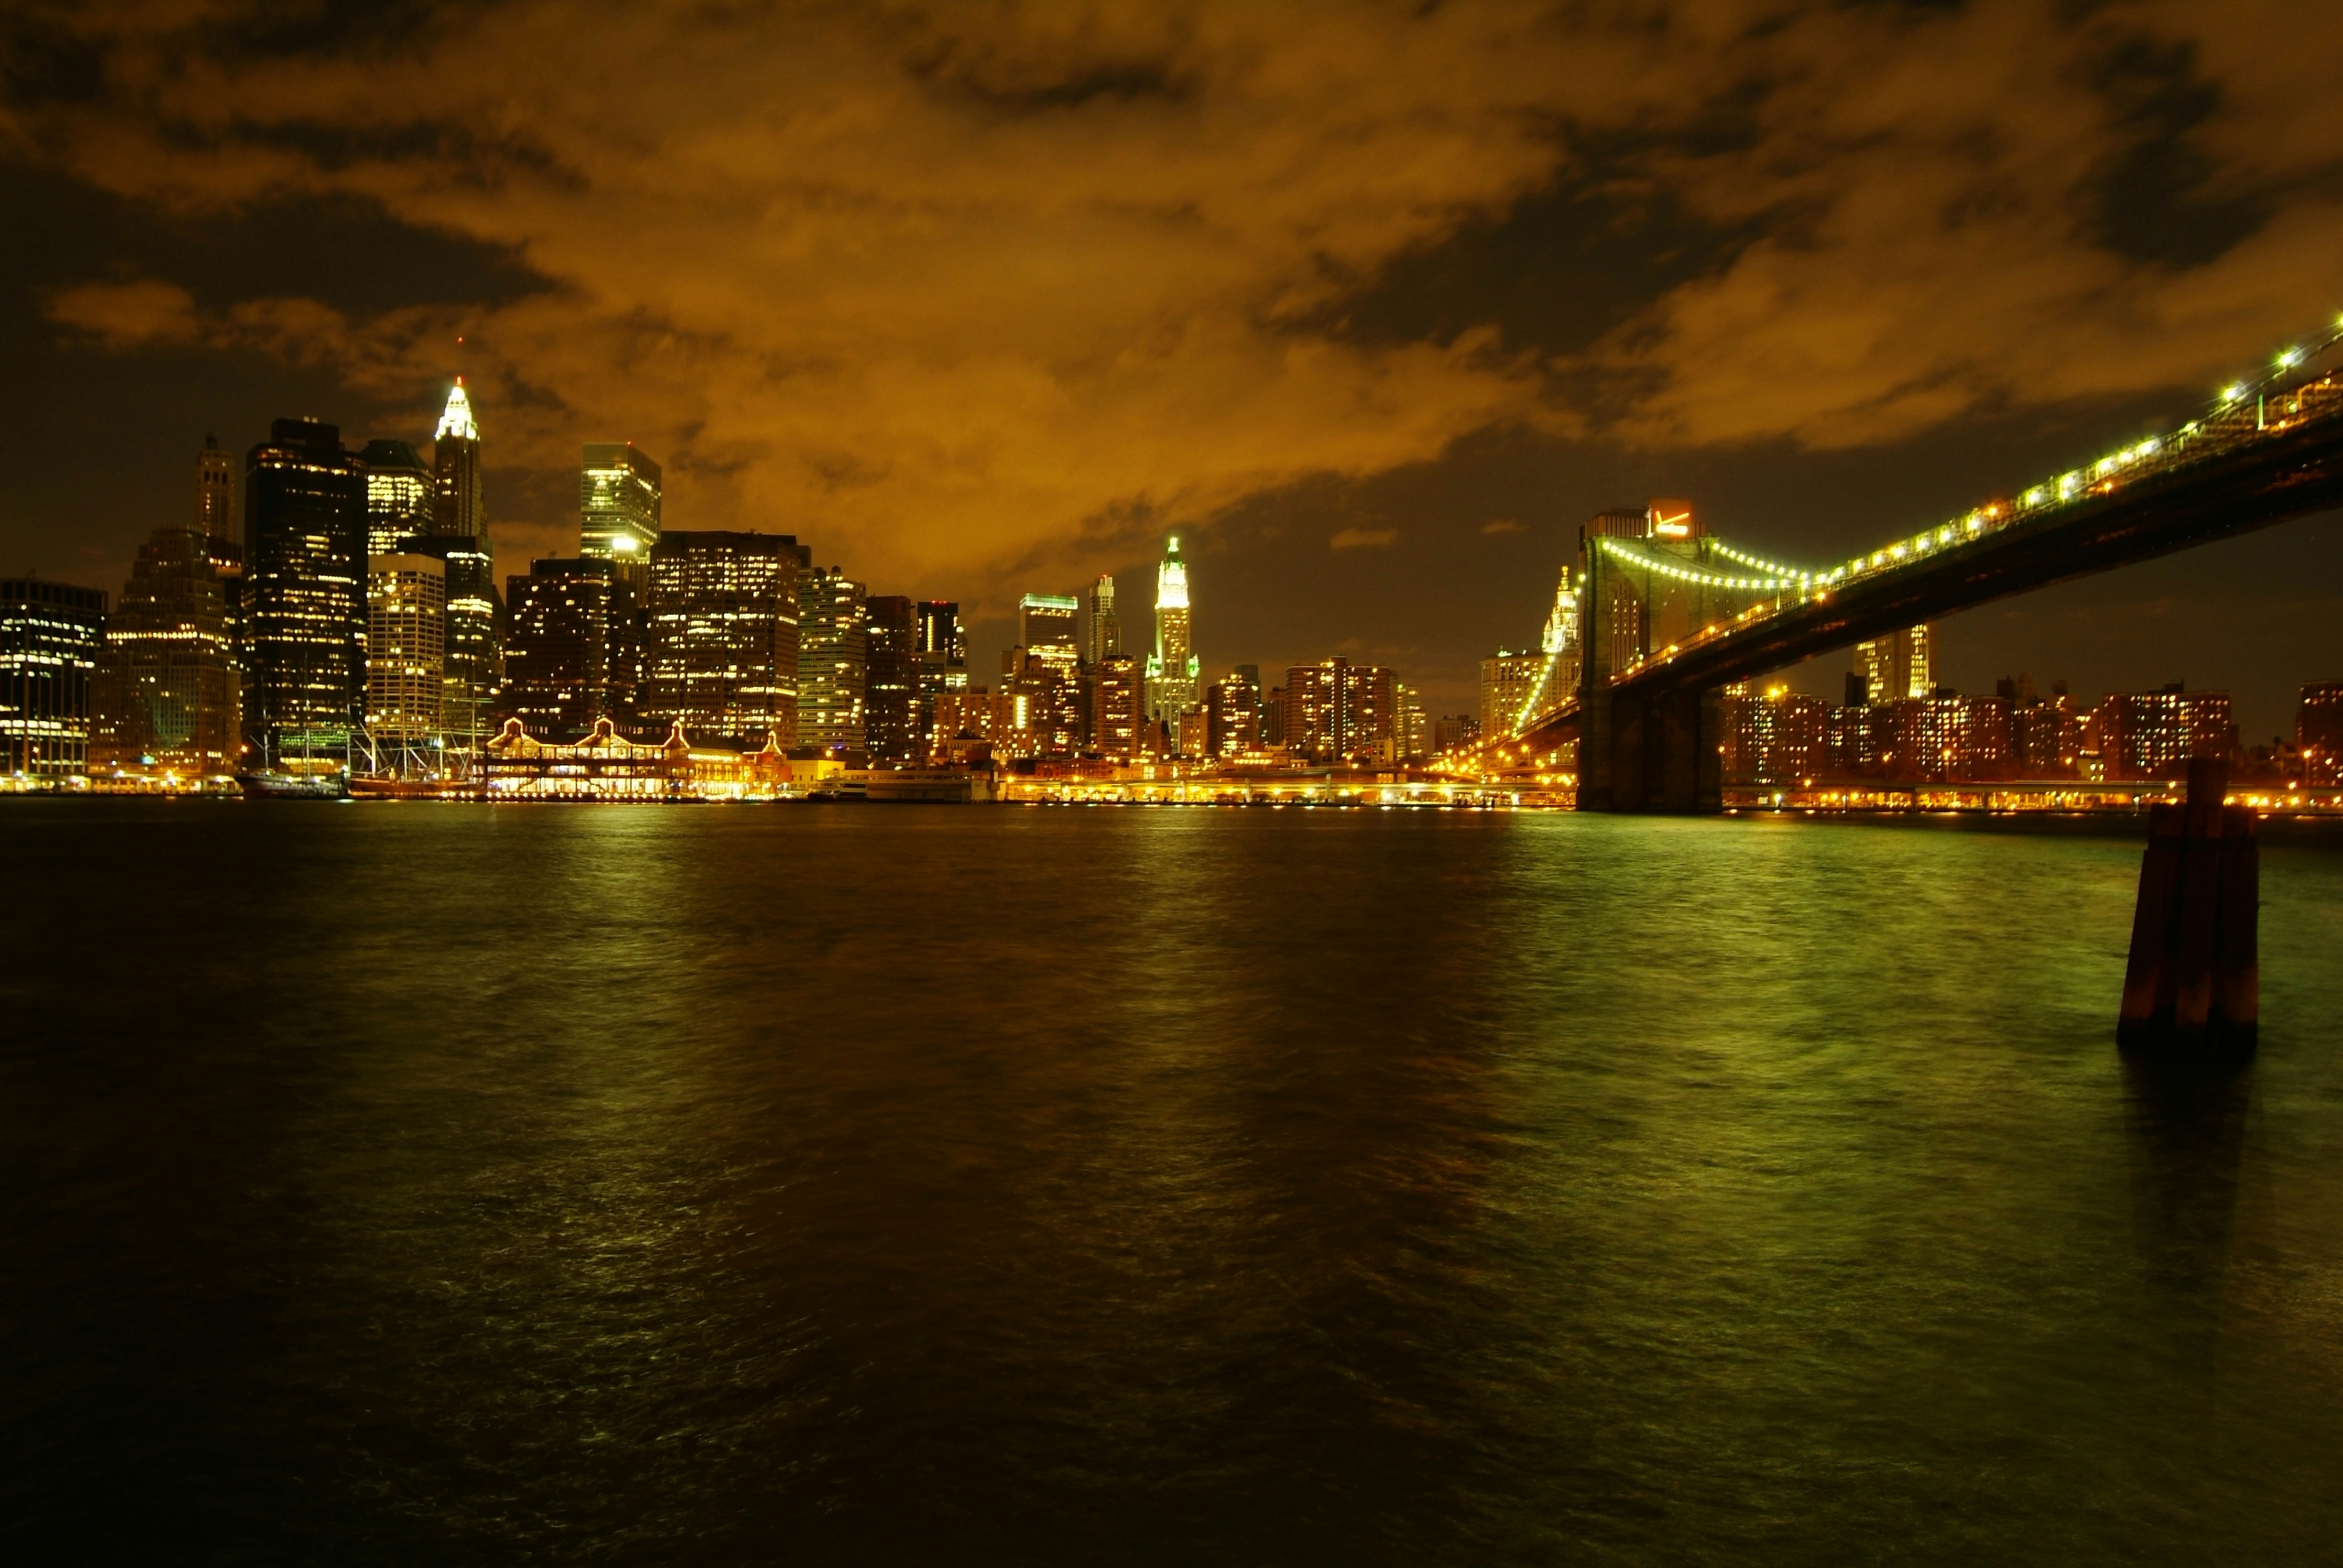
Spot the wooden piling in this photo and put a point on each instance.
(2238, 986)
(2148, 978)
(2193, 976)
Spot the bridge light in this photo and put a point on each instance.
(2232, 392)
(2290, 359)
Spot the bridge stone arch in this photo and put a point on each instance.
(1650, 580)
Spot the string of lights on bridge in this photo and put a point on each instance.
(2219, 427)
(2099, 477)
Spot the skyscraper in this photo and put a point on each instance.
(473, 670)
(557, 653)
(619, 509)
(304, 561)
(1896, 666)
(164, 691)
(893, 629)
(1119, 723)
(1411, 726)
(400, 496)
(1103, 637)
(833, 651)
(215, 497)
(1509, 684)
(459, 524)
(1557, 682)
(407, 650)
(722, 656)
(1045, 623)
(458, 507)
(48, 647)
(938, 664)
(1232, 712)
(221, 528)
(1337, 710)
(1172, 669)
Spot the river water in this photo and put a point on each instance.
(856, 1184)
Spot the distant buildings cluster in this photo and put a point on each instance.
(1934, 735)
(1068, 691)
(348, 622)
(1896, 722)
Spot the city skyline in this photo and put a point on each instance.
(419, 529)
(1397, 375)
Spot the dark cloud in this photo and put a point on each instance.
(44, 60)
(344, 250)
(1555, 272)
(2158, 195)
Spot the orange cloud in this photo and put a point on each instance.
(127, 315)
(987, 291)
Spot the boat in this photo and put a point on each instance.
(270, 785)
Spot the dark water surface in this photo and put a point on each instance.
(859, 1185)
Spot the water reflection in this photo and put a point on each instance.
(2187, 1118)
(1029, 1186)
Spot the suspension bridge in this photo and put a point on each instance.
(1669, 614)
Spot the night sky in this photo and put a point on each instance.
(1373, 304)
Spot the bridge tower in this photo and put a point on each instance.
(1647, 582)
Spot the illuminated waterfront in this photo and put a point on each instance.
(854, 1184)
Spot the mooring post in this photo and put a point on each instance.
(2148, 978)
(2237, 988)
(2193, 976)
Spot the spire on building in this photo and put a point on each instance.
(1173, 673)
(1172, 578)
(457, 420)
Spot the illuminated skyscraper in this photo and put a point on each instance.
(1557, 681)
(1335, 710)
(1119, 723)
(892, 630)
(938, 664)
(1896, 666)
(460, 527)
(406, 648)
(1411, 726)
(458, 507)
(305, 559)
(1105, 636)
(473, 673)
(1232, 712)
(163, 697)
(722, 640)
(832, 660)
(1045, 629)
(557, 653)
(619, 509)
(1173, 672)
(400, 494)
(1509, 683)
(1048, 705)
(48, 647)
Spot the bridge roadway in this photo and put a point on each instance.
(1648, 734)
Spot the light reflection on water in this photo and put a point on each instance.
(863, 1184)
